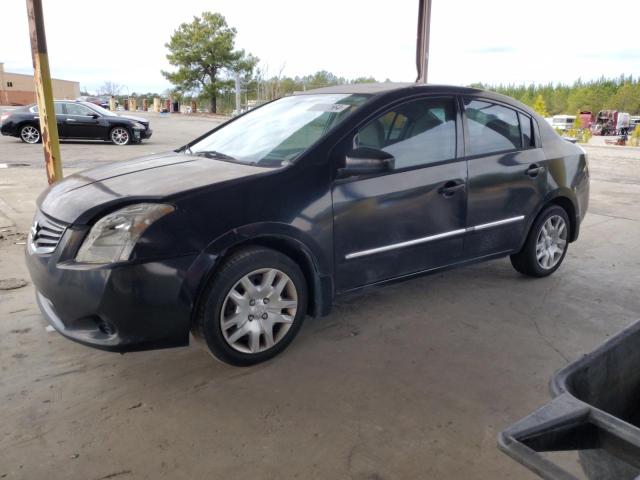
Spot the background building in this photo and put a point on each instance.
(19, 89)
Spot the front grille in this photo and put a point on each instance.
(45, 234)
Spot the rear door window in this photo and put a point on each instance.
(56, 105)
(492, 128)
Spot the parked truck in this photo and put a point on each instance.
(611, 122)
(586, 120)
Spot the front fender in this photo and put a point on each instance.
(206, 263)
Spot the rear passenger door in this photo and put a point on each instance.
(507, 176)
(60, 116)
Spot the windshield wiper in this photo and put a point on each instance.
(215, 154)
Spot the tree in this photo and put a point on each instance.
(621, 93)
(110, 88)
(626, 98)
(203, 52)
(364, 80)
(540, 106)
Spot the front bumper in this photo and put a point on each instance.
(121, 308)
(142, 134)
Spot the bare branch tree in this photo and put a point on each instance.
(110, 88)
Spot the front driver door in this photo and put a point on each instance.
(80, 122)
(411, 218)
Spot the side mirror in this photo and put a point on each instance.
(93, 115)
(366, 161)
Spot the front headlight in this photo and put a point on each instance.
(113, 237)
(138, 126)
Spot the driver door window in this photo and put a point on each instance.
(76, 109)
(416, 133)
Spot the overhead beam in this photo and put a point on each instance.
(44, 92)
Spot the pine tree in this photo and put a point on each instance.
(540, 106)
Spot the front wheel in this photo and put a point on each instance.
(120, 136)
(252, 308)
(546, 245)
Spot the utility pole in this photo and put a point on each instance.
(44, 92)
(238, 98)
(422, 43)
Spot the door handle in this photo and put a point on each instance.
(451, 187)
(71, 120)
(534, 169)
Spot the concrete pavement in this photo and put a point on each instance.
(412, 381)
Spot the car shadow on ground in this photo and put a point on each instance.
(354, 320)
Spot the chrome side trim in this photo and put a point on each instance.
(408, 243)
(431, 238)
(496, 223)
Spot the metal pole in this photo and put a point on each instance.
(422, 43)
(44, 92)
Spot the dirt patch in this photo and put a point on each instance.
(10, 236)
(12, 283)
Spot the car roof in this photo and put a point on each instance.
(381, 87)
(386, 87)
(80, 102)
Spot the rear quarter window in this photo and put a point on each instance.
(527, 131)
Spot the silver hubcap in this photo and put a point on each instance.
(120, 136)
(259, 310)
(30, 134)
(552, 241)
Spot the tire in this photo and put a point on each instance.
(233, 321)
(30, 134)
(120, 135)
(541, 255)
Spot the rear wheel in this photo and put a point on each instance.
(29, 134)
(120, 136)
(546, 245)
(252, 308)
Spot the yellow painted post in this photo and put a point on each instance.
(44, 92)
(133, 104)
(112, 103)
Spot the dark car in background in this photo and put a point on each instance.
(76, 120)
(275, 214)
(100, 101)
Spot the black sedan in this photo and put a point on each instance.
(76, 120)
(272, 216)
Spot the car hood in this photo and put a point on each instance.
(79, 197)
(135, 119)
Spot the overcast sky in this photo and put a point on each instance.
(489, 41)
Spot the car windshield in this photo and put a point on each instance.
(279, 131)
